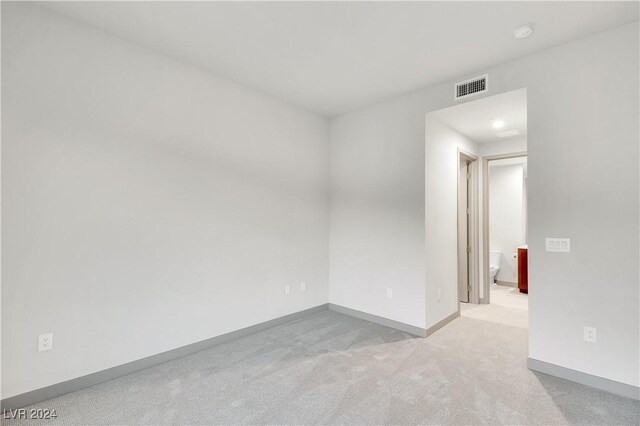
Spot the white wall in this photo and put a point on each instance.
(146, 204)
(133, 185)
(377, 235)
(441, 216)
(583, 184)
(506, 216)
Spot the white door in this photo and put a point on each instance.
(463, 230)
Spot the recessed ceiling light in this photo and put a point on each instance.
(523, 31)
(497, 124)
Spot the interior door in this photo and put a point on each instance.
(463, 230)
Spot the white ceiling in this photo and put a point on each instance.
(332, 57)
(473, 119)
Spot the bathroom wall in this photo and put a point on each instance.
(506, 215)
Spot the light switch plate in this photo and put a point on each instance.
(287, 290)
(558, 245)
(389, 293)
(590, 334)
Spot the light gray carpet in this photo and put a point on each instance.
(329, 368)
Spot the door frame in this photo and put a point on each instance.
(472, 231)
(486, 289)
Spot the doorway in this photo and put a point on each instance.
(504, 188)
(457, 141)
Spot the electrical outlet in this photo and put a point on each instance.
(439, 294)
(558, 244)
(590, 334)
(389, 293)
(45, 342)
(287, 290)
(303, 286)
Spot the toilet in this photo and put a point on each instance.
(494, 265)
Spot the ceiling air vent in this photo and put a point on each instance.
(472, 86)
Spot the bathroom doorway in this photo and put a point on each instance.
(505, 227)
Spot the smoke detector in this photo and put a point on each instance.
(523, 31)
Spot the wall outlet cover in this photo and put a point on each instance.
(45, 342)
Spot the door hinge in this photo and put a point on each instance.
(468, 175)
(468, 210)
(468, 249)
(469, 288)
